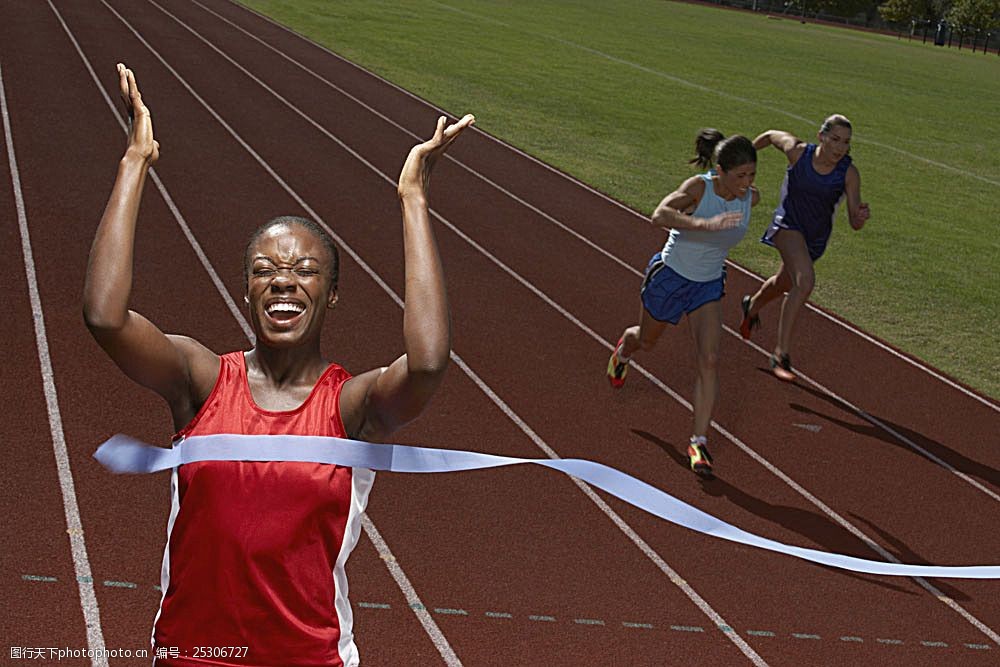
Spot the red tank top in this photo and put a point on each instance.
(255, 551)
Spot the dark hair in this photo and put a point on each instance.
(309, 225)
(734, 151)
(836, 120)
(704, 147)
(713, 148)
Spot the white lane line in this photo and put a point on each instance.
(386, 555)
(729, 436)
(882, 425)
(413, 135)
(74, 526)
(531, 287)
(876, 422)
(412, 599)
(589, 188)
(706, 89)
(622, 525)
(178, 217)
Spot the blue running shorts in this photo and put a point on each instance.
(667, 295)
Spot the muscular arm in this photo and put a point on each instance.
(674, 212)
(857, 210)
(177, 368)
(377, 403)
(785, 142)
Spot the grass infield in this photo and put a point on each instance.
(614, 93)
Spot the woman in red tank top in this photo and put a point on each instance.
(282, 385)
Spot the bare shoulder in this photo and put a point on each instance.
(687, 195)
(795, 148)
(695, 185)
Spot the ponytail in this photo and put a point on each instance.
(704, 147)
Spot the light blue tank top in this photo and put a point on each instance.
(700, 255)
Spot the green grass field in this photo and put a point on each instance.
(614, 93)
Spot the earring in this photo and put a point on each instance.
(246, 299)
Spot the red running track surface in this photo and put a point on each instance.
(504, 567)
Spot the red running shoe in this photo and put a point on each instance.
(617, 369)
(748, 324)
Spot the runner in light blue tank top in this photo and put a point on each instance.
(706, 216)
(819, 176)
(701, 255)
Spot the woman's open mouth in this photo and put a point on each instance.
(284, 313)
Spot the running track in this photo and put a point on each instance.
(869, 455)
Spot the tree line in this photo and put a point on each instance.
(970, 14)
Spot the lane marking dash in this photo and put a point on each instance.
(812, 428)
(687, 628)
(452, 612)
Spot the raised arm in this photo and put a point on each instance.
(378, 402)
(857, 210)
(165, 364)
(674, 212)
(786, 142)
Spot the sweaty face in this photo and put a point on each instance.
(738, 179)
(835, 142)
(288, 285)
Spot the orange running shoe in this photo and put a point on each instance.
(782, 368)
(617, 369)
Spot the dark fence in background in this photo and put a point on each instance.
(939, 33)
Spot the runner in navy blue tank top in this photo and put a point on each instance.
(819, 177)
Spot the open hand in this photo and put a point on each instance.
(414, 179)
(140, 122)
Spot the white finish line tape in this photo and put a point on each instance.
(122, 454)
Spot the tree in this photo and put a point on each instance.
(899, 11)
(846, 8)
(975, 14)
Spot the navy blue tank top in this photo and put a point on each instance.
(809, 199)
